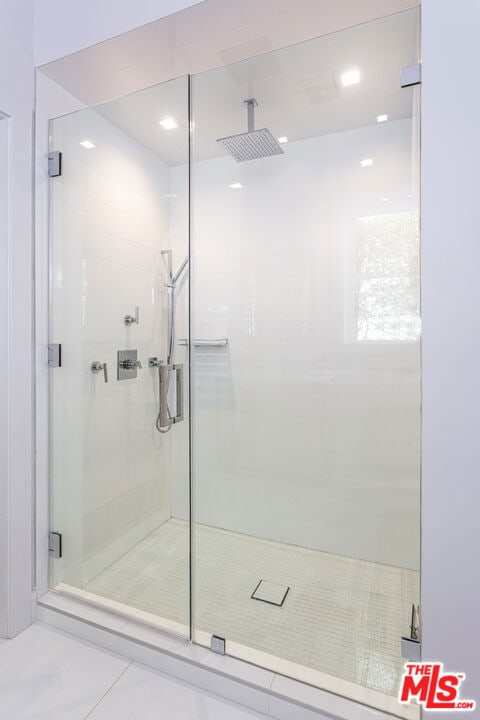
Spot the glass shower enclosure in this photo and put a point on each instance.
(119, 308)
(235, 425)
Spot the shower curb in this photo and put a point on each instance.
(255, 688)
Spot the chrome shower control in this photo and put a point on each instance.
(127, 364)
(130, 364)
(132, 319)
(97, 367)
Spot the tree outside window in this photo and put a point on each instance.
(387, 268)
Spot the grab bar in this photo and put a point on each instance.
(221, 342)
(164, 374)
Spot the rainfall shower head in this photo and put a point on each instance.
(253, 144)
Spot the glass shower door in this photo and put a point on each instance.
(119, 309)
(306, 359)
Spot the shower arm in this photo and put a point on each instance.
(251, 105)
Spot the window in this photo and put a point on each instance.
(387, 270)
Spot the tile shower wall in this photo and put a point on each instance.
(303, 433)
(109, 222)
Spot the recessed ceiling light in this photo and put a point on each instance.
(283, 139)
(87, 144)
(168, 123)
(367, 162)
(382, 118)
(236, 186)
(351, 77)
(385, 199)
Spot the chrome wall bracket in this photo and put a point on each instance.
(54, 355)
(55, 544)
(54, 163)
(411, 75)
(411, 649)
(217, 645)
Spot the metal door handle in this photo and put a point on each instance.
(97, 367)
(179, 371)
(163, 374)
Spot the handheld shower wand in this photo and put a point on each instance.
(163, 387)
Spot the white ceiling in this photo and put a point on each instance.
(298, 90)
(205, 36)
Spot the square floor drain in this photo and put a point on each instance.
(270, 592)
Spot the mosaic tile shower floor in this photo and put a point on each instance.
(341, 616)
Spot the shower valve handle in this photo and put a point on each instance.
(130, 364)
(97, 367)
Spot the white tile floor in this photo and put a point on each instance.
(341, 616)
(46, 675)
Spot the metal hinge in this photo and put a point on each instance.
(55, 544)
(411, 75)
(217, 645)
(54, 355)
(411, 646)
(54, 163)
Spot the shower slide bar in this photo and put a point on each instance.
(221, 342)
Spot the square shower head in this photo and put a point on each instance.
(251, 145)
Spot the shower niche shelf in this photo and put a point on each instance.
(221, 342)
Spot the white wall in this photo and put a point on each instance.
(451, 338)
(65, 26)
(301, 433)
(16, 403)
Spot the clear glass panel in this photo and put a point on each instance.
(119, 239)
(306, 426)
